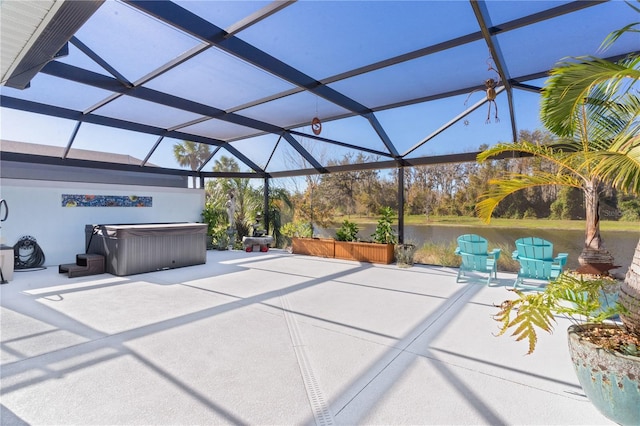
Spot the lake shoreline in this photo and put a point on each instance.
(464, 221)
(620, 243)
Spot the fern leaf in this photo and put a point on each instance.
(543, 319)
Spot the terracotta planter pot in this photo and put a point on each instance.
(610, 380)
(364, 252)
(322, 247)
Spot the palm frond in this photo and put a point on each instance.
(512, 182)
(525, 147)
(614, 36)
(603, 118)
(611, 38)
(560, 152)
(572, 82)
(622, 171)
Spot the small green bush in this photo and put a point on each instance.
(220, 238)
(384, 233)
(213, 217)
(348, 231)
(297, 229)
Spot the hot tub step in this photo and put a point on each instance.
(86, 264)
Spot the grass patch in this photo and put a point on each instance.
(437, 254)
(505, 262)
(443, 255)
(605, 225)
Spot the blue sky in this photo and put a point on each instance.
(321, 39)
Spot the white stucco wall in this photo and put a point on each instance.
(35, 209)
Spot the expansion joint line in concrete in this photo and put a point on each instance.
(406, 342)
(319, 406)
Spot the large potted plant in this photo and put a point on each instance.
(605, 354)
(593, 105)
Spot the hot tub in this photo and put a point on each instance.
(137, 248)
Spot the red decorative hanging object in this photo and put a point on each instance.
(316, 126)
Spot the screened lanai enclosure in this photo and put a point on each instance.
(402, 82)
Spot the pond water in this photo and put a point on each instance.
(621, 244)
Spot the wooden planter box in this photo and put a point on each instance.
(322, 247)
(364, 252)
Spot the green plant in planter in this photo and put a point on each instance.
(297, 229)
(348, 231)
(582, 300)
(604, 354)
(384, 233)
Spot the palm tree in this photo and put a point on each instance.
(247, 199)
(592, 105)
(597, 125)
(279, 202)
(191, 154)
(225, 164)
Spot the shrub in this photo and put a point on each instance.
(348, 231)
(213, 217)
(384, 233)
(220, 238)
(297, 229)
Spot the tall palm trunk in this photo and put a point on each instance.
(629, 295)
(595, 258)
(593, 239)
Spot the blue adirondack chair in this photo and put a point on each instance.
(474, 253)
(537, 262)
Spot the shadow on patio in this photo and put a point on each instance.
(275, 338)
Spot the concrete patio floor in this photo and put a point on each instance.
(275, 338)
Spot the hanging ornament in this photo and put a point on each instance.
(316, 126)
(490, 85)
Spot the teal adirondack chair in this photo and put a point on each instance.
(474, 253)
(537, 262)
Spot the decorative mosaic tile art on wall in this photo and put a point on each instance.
(83, 200)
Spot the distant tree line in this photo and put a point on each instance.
(451, 190)
(434, 190)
